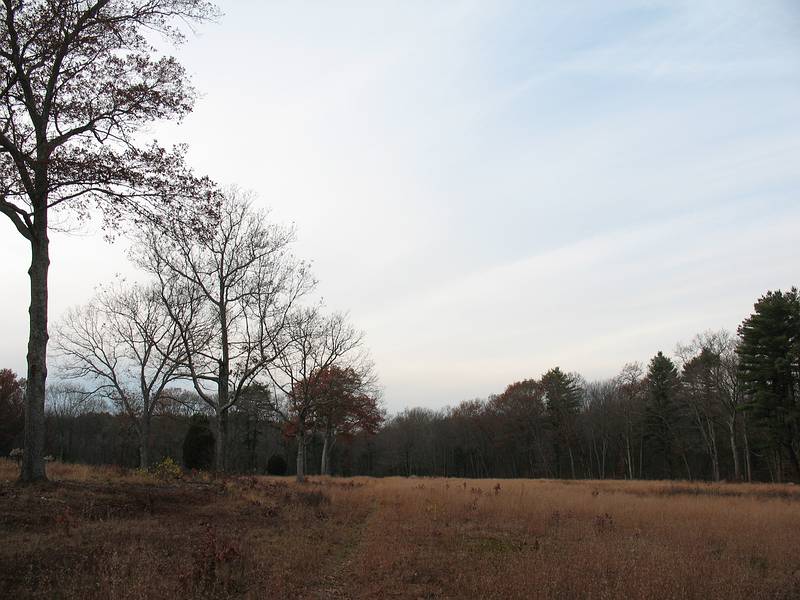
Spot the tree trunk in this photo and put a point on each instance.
(144, 442)
(301, 457)
(571, 463)
(603, 462)
(327, 447)
(323, 468)
(33, 458)
(685, 464)
(737, 470)
(223, 381)
(557, 450)
(713, 451)
(630, 460)
(641, 456)
(793, 458)
(747, 463)
(219, 442)
(252, 458)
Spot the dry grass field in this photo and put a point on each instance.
(108, 533)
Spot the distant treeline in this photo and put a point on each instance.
(724, 407)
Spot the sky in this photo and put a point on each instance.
(492, 189)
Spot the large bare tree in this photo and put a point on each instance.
(310, 345)
(78, 81)
(127, 346)
(230, 295)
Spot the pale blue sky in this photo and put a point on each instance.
(494, 188)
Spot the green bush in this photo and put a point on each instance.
(198, 446)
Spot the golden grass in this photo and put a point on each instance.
(108, 533)
(584, 539)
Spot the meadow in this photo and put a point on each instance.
(103, 532)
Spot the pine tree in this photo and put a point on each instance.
(563, 403)
(662, 412)
(770, 369)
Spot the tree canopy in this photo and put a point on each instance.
(770, 368)
(80, 79)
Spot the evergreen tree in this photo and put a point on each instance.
(12, 393)
(770, 369)
(276, 465)
(563, 403)
(662, 413)
(198, 445)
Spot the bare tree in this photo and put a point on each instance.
(702, 397)
(312, 343)
(722, 362)
(67, 400)
(229, 295)
(78, 80)
(181, 403)
(65, 403)
(125, 344)
(631, 389)
(521, 415)
(599, 421)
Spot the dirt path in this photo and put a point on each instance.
(344, 565)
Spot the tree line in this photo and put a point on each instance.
(723, 407)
